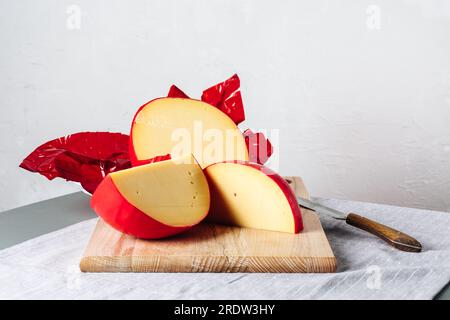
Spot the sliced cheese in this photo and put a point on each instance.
(173, 192)
(243, 195)
(179, 126)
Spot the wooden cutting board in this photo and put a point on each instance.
(214, 248)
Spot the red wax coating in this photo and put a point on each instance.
(84, 157)
(227, 97)
(259, 147)
(175, 92)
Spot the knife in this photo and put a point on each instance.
(395, 238)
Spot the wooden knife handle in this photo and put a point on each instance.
(393, 237)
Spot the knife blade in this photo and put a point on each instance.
(308, 204)
(393, 237)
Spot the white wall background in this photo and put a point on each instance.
(363, 105)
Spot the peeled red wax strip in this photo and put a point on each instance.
(227, 97)
(259, 147)
(84, 157)
(175, 92)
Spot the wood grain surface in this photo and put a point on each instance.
(214, 248)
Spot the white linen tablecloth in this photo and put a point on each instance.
(47, 267)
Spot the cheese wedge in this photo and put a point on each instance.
(178, 126)
(250, 195)
(154, 200)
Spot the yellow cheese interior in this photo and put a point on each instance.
(246, 197)
(174, 192)
(168, 125)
